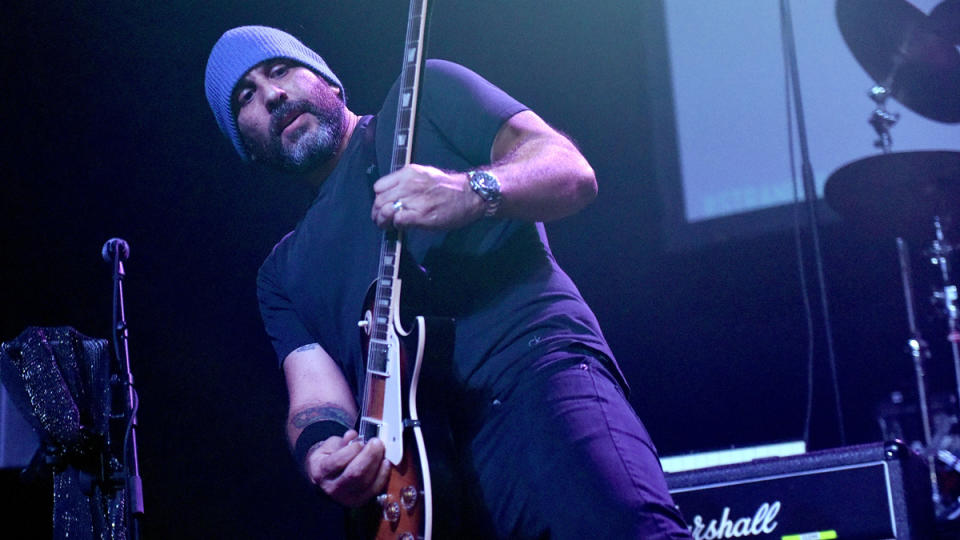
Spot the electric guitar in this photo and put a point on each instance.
(394, 354)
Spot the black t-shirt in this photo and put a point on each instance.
(511, 301)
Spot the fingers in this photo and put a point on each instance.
(361, 480)
(336, 453)
(383, 474)
(386, 211)
(350, 435)
(394, 194)
(351, 473)
(421, 196)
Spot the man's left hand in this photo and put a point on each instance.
(425, 197)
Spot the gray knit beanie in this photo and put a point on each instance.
(235, 53)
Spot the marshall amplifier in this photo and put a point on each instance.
(872, 491)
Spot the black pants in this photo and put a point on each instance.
(564, 455)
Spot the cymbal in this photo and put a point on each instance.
(898, 194)
(904, 51)
(944, 21)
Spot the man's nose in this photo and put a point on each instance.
(274, 96)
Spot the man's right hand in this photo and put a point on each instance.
(349, 471)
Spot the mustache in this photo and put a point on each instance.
(288, 110)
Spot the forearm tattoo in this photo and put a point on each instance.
(327, 411)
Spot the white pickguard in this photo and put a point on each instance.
(391, 431)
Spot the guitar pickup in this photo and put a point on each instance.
(370, 428)
(377, 358)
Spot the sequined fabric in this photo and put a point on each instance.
(59, 381)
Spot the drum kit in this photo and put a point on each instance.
(914, 58)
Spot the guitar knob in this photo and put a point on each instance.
(408, 496)
(406, 536)
(391, 509)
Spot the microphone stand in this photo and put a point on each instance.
(810, 196)
(116, 250)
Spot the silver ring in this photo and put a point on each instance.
(397, 205)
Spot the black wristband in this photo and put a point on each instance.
(314, 433)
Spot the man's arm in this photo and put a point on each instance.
(542, 175)
(348, 472)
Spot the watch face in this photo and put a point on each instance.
(487, 184)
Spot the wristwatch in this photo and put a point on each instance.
(487, 186)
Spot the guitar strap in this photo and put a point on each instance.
(370, 152)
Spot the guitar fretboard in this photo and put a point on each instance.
(409, 85)
(391, 244)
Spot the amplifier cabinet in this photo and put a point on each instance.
(871, 491)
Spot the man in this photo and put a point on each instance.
(540, 425)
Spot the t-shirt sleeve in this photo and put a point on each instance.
(460, 109)
(466, 108)
(280, 319)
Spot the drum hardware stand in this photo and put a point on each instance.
(947, 300)
(920, 353)
(881, 119)
(912, 57)
(947, 297)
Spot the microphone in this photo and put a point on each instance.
(113, 247)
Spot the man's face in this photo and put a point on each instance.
(288, 116)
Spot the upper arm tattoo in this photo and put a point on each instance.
(307, 347)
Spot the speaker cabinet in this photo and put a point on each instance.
(872, 491)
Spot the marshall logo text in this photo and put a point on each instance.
(762, 522)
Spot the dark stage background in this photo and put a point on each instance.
(107, 133)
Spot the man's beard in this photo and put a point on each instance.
(311, 145)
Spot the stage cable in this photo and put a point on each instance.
(795, 108)
(798, 245)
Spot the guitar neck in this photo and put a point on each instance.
(385, 307)
(410, 82)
